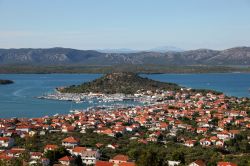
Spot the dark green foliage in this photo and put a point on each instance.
(127, 83)
(178, 156)
(143, 154)
(150, 157)
(53, 156)
(145, 68)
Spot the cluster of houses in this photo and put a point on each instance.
(210, 113)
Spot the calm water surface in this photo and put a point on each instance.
(18, 99)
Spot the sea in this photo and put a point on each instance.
(20, 99)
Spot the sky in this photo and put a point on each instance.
(134, 24)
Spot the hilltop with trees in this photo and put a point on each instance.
(124, 82)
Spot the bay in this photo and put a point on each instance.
(18, 99)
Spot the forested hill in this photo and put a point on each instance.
(127, 83)
(62, 56)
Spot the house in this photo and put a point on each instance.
(78, 150)
(163, 126)
(23, 128)
(202, 130)
(119, 159)
(43, 161)
(173, 163)
(213, 139)
(224, 135)
(15, 152)
(222, 163)
(108, 132)
(233, 133)
(190, 143)
(89, 157)
(112, 146)
(6, 142)
(219, 143)
(50, 147)
(4, 157)
(98, 145)
(70, 142)
(205, 142)
(197, 163)
(66, 129)
(66, 160)
(35, 155)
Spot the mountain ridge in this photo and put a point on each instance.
(63, 56)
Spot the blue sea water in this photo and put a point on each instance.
(18, 99)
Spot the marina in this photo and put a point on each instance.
(20, 99)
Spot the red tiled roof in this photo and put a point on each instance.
(127, 164)
(5, 157)
(79, 149)
(200, 163)
(120, 157)
(66, 158)
(4, 138)
(71, 140)
(50, 146)
(103, 163)
(222, 163)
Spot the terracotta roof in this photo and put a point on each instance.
(103, 163)
(71, 140)
(66, 158)
(4, 138)
(127, 164)
(226, 164)
(120, 157)
(36, 154)
(79, 149)
(5, 157)
(200, 163)
(99, 145)
(50, 146)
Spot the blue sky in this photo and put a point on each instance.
(136, 24)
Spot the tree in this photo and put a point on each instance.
(152, 156)
(178, 156)
(53, 156)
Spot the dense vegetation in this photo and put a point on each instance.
(3, 82)
(144, 154)
(127, 83)
(145, 68)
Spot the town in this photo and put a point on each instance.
(185, 121)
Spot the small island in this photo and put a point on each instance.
(124, 86)
(124, 82)
(5, 82)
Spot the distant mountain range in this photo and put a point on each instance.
(67, 56)
(127, 50)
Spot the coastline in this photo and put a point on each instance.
(26, 105)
